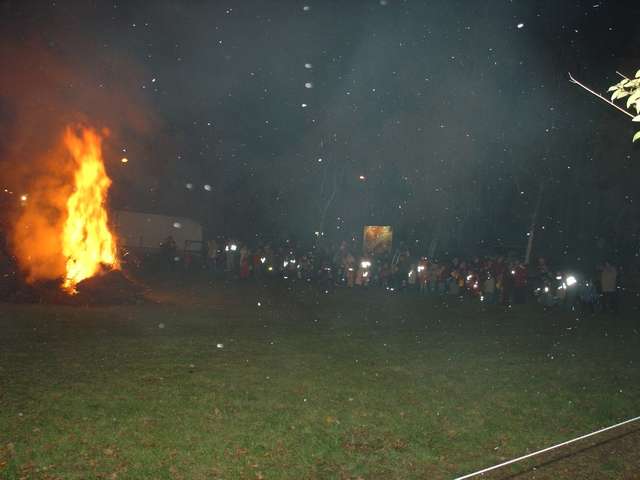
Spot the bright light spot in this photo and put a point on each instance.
(319, 159)
(124, 160)
(520, 25)
(263, 259)
(220, 345)
(365, 264)
(308, 66)
(207, 187)
(177, 225)
(189, 186)
(362, 177)
(233, 247)
(306, 8)
(24, 198)
(308, 85)
(304, 105)
(571, 280)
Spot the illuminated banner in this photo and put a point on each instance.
(377, 240)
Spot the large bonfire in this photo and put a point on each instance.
(87, 243)
(63, 232)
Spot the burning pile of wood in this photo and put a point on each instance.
(65, 250)
(111, 288)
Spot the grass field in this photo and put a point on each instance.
(253, 382)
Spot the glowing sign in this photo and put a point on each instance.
(377, 239)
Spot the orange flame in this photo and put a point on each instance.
(87, 243)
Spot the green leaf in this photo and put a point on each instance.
(622, 83)
(636, 136)
(635, 96)
(620, 93)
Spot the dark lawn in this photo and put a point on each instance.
(348, 385)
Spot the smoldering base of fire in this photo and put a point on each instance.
(545, 450)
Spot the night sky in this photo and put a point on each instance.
(442, 118)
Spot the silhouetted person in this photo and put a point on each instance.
(169, 251)
(520, 283)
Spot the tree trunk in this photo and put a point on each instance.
(532, 228)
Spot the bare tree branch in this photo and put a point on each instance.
(329, 202)
(573, 80)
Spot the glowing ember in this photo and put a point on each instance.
(87, 243)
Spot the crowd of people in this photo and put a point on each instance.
(495, 279)
(490, 279)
